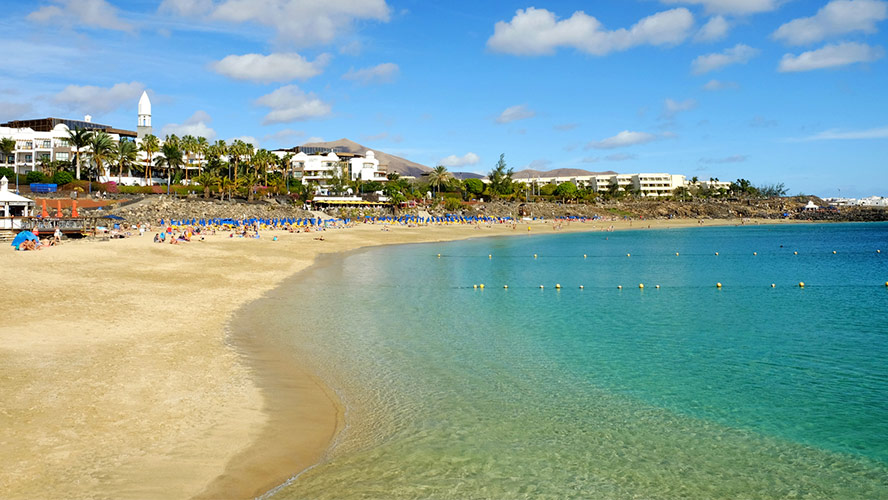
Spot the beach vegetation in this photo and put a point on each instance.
(566, 191)
(773, 190)
(62, 177)
(170, 158)
(438, 176)
(35, 176)
(474, 187)
(500, 178)
(78, 138)
(101, 150)
(452, 204)
(150, 146)
(125, 155)
(7, 147)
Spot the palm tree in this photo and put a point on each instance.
(101, 148)
(171, 159)
(79, 138)
(202, 146)
(208, 181)
(125, 154)
(439, 175)
(285, 165)
(150, 145)
(7, 146)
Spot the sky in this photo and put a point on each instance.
(790, 91)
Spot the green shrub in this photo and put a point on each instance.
(452, 204)
(8, 173)
(61, 177)
(35, 176)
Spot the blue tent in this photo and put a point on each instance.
(22, 237)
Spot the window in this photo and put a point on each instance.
(29, 145)
(47, 143)
(63, 143)
(44, 156)
(28, 158)
(62, 156)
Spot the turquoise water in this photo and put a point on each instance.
(686, 391)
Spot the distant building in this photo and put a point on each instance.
(144, 110)
(647, 185)
(320, 169)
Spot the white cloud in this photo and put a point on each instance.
(302, 22)
(14, 110)
(197, 125)
(830, 56)
(838, 135)
(835, 18)
(716, 85)
(98, 100)
(739, 7)
(289, 104)
(623, 139)
(381, 73)
(738, 54)
(271, 68)
(728, 159)
(283, 136)
(87, 13)
(715, 29)
(672, 108)
(538, 31)
(460, 161)
(515, 113)
(313, 140)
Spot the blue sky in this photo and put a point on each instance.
(773, 91)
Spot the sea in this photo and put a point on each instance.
(562, 377)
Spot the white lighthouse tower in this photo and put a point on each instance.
(144, 127)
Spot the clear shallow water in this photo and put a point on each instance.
(684, 391)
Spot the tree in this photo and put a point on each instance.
(171, 159)
(150, 145)
(125, 154)
(501, 178)
(208, 181)
(566, 190)
(7, 147)
(79, 138)
(101, 148)
(474, 186)
(773, 190)
(439, 175)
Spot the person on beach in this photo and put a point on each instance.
(57, 236)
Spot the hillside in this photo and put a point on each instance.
(394, 163)
(559, 172)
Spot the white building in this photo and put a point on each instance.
(647, 185)
(320, 169)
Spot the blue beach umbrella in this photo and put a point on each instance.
(23, 237)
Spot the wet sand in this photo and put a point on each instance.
(120, 379)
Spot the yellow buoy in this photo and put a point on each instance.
(557, 285)
(718, 285)
(534, 256)
(481, 285)
(505, 286)
(755, 253)
(584, 256)
(716, 253)
(886, 283)
(474, 286)
(878, 251)
(581, 286)
(676, 254)
(801, 284)
(834, 251)
(628, 255)
(773, 285)
(541, 286)
(619, 287)
(658, 286)
(641, 285)
(489, 256)
(795, 253)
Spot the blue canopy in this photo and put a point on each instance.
(22, 237)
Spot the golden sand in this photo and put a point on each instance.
(118, 378)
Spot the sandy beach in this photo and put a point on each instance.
(120, 378)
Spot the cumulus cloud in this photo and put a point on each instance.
(739, 7)
(515, 113)
(14, 110)
(98, 100)
(838, 135)
(738, 54)
(454, 161)
(86, 13)
(620, 157)
(715, 29)
(623, 139)
(716, 85)
(830, 56)
(302, 22)
(197, 125)
(672, 107)
(728, 159)
(538, 31)
(381, 73)
(249, 139)
(289, 104)
(835, 18)
(283, 67)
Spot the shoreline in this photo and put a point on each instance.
(133, 374)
